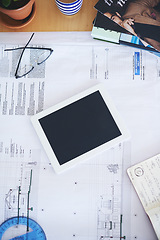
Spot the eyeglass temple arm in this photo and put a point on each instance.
(12, 49)
(22, 54)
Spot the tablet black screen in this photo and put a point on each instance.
(79, 127)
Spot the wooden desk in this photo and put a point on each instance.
(49, 18)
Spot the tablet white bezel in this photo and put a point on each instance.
(45, 143)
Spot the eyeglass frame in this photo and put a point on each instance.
(20, 58)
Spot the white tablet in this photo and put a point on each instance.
(79, 127)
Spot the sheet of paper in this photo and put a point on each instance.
(146, 181)
(76, 65)
(85, 202)
(77, 62)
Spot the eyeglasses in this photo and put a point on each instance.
(41, 55)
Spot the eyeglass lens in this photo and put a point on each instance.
(32, 57)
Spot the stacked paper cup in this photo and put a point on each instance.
(69, 7)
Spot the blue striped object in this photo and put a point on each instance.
(69, 8)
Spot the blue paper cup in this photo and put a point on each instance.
(69, 7)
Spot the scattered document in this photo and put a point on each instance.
(145, 177)
(90, 196)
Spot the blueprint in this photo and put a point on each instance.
(92, 191)
(87, 197)
(85, 202)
